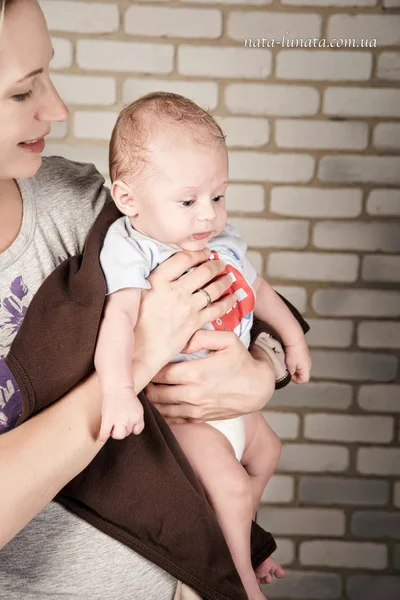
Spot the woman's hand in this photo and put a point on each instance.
(227, 383)
(173, 310)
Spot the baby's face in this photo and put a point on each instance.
(182, 200)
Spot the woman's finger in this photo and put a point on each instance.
(173, 268)
(201, 276)
(214, 290)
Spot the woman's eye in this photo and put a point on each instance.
(187, 203)
(217, 199)
(22, 97)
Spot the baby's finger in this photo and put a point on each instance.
(105, 430)
(119, 431)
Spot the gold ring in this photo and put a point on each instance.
(207, 295)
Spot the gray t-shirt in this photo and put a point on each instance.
(58, 555)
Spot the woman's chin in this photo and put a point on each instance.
(28, 167)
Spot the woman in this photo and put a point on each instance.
(57, 554)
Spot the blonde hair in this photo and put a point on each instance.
(140, 120)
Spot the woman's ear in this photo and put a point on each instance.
(124, 198)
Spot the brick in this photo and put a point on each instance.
(244, 131)
(379, 334)
(330, 396)
(357, 236)
(371, 587)
(316, 202)
(389, 66)
(381, 268)
(88, 154)
(356, 302)
(313, 3)
(380, 398)
(341, 490)
(270, 99)
(257, 260)
(378, 461)
(397, 494)
(81, 17)
(248, 2)
(266, 166)
(391, 3)
(86, 89)
(385, 29)
(396, 557)
(346, 168)
(348, 428)
(58, 131)
(245, 197)
(110, 55)
(313, 458)
(266, 233)
(306, 585)
(322, 65)
(302, 521)
(96, 125)
(272, 25)
(294, 133)
(173, 22)
(376, 524)
(357, 366)
(285, 551)
(310, 266)
(387, 136)
(384, 202)
(63, 50)
(348, 555)
(295, 294)
(224, 62)
(285, 425)
(362, 102)
(204, 93)
(330, 333)
(280, 488)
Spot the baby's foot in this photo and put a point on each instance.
(268, 569)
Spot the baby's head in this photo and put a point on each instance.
(169, 170)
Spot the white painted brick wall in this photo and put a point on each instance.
(257, 24)
(356, 302)
(381, 268)
(353, 366)
(81, 17)
(360, 169)
(357, 101)
(285, 425)
(303, 521)
(262, 166)
(380, 398)
(357, 236)
(269, 99)
(348, 555)
(384, 202)
(379, 334)
(387, 136)
(280, 489)
(86, 89)
(313, 458)
(257, 260)
(389, 66)
(330, 333)
(271, 233)
(245, 131)
(63, 53)
(384, 28)
(228, 62)
(349, 428)
(295, 133)
(378, 461)
(127, 57)
(329, 396)
(311, 266)
(334, 3)
(95, 125)
(295, 294)
(245, 197)
(204, 93)
(323, 65)
(299, 201)
(173, 22)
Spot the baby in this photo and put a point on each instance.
(169, 170)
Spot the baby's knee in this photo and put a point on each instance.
(236, 486)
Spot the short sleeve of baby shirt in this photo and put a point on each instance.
(231, 240)
(124, 262)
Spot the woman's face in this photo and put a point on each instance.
(28, 99)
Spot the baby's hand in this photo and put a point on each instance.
(298, 361)
(121, 415)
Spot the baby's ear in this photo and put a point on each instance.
(124, 197)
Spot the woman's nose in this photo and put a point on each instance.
(52, 108)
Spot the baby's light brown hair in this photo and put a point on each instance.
(139, 122)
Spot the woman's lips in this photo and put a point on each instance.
(201, 236)
(33, 146)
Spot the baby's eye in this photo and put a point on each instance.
(187, 203)
(217, 199)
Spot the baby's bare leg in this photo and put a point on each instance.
(260, 459)
(227, 486)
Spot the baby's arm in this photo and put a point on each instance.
(122, 411)
(270, 308)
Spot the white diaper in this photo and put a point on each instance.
(233, 430)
